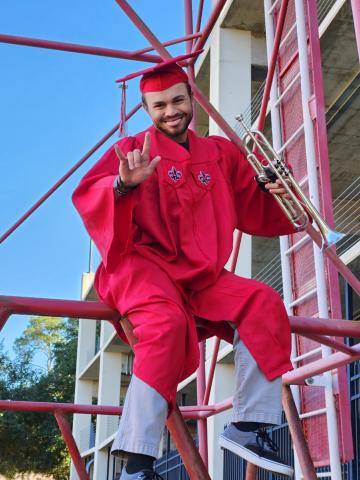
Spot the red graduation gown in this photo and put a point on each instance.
(164, 247)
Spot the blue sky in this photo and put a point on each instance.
(54, 106)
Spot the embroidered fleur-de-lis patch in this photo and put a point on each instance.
(174, 174)
(204, 178)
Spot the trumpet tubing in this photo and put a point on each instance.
(298, 208)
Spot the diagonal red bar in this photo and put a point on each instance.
(210, 24)
(65, 177)
(331, 342)
(199, 15)
(70, 443)
(144, 29)
(75, 48)
(343, 269)
(272, 65)
(317, 367)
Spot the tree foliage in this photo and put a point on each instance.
(42, 334)
(31, 441)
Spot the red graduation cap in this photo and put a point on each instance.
(156, 78)
(162, 69)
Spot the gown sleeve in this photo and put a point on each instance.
(107, 217)
(258, 213)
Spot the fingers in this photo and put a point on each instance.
(120, 154)
(138, 161)
(146, 146)
(154, 163)
(275, 188)
(130, 159)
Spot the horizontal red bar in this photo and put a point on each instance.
(100, 311)
(51, 407)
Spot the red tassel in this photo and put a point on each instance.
(123, 126)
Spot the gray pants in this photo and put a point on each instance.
(256, 399)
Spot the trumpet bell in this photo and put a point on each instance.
(332, 237)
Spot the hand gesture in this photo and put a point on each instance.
(135, 167)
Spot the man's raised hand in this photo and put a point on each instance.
(135, 167)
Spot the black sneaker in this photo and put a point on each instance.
(143, 475)
(256, 448)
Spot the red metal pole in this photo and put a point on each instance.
(65, 177)
(151, 38)
(199, 16)
(4, 315)
(236, 251)
(51, 407)
(200, 389)
(331, 342)
(190, 68)
(297, 435)
(339, 264)
(209, 25)
(272, 66)
(57, 308)
(192, 36)
(319, 122)
(325, 326)
(316, 367)
(251, 472)
(185, 445)
(70, 443)
(355, 5)
(190, 412)
(188, 23)
(210, 379)
(84, 49)
(97, 310)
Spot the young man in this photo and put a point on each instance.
(162, 207)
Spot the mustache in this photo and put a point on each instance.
(172, 117)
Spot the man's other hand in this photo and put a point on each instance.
(276, 188)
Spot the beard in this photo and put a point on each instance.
(175, 132)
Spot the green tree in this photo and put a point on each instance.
(41, 335)
(32, 441)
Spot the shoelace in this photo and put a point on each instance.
(262, 438)
(150, 476)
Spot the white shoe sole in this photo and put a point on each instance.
(255, 459)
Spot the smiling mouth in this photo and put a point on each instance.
(174, 121)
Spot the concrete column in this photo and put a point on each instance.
(106, 331)
(83, 388)
(109, 394)
(230, 93)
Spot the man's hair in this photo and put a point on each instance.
(188, 88)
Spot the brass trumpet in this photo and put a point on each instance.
(298, 208)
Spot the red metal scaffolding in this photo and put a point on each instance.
(317, 329)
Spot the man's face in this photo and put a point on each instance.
(171, 111)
